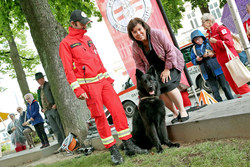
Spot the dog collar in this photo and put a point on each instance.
(148, 97)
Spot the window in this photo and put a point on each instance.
(192, 20)
(214, 9)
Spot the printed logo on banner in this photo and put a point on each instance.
(120, 12)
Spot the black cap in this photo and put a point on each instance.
(39, 75)
(80, 16)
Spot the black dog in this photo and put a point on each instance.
(149, 128)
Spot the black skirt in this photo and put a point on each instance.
(159, 65)
(171, 84)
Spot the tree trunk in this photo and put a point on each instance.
(20, 74)
(47, 34)
(204, 9)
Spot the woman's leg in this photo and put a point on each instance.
(39, 133)
(169, 104)
(175, 96)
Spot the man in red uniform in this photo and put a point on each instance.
(90, 81)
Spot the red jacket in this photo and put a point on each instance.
(221, 33)
(81, 61)
(245, 26)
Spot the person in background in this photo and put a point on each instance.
(47, 103)
(246, 23)
(151, 47)
(36, 119)
(202, 55)
(17, 138)
(218, 35)
(186, 101)
(25, 129)
(90, 81)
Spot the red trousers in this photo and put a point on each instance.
(186, 100)
(237, 90)
(20, 147)
(102, 93)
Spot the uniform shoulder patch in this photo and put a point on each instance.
(224, 31)
(75, 44)
(90, 43)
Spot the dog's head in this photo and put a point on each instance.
(148, 84)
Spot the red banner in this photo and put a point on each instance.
(117, 15)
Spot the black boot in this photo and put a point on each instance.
(116, 157)
(131, 149)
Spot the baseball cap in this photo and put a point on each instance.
(80, 16)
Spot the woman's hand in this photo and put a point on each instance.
(14, 128)
(213, 40)
(32, 119)
(165, 75)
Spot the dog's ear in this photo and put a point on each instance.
(138, 73)
(152, 71)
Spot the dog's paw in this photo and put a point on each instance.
(176, 145)
(170, 145)
(159, 151)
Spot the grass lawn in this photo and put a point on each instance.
(220, 153)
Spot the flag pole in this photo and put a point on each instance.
(190, 82)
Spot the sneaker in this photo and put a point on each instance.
(42, 146)
(46, 145)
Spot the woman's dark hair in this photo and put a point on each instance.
(132, 23)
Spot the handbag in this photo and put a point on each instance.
(238, 71)
(237, 45)
(236, 40)
(29, 125)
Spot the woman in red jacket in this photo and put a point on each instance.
(218, 35)
(246, 24)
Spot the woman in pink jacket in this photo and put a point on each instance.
(218, 35)
(151, 47)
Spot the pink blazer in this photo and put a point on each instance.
(165, 50)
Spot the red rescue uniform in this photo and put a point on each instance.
(221, 33)
(246, 24)
(86, 74)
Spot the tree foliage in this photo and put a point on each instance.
(174, 10)
(203, 4)
(62, 9)
(222, 3)
(28, 57)
(200, 3)
(13, 25)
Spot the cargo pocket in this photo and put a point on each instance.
(91, 103)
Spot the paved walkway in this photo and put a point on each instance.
(29, 155)
(220, 120)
